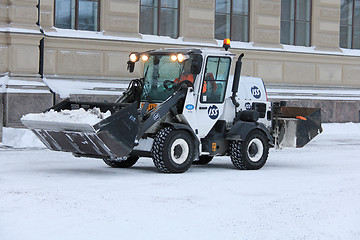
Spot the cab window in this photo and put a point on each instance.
(215, 79)
(158, 69)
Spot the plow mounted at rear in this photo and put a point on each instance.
(296, 126)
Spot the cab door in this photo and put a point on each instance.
(209, 104)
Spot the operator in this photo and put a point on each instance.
(187, 75)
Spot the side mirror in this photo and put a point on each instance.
(130, 66)
(196, 64)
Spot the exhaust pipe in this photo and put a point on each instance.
(235, 86)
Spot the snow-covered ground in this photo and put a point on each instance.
(309, 193)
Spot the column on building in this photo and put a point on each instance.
(326, 25)
(4, 68)
(22, 88)
(121, 18)
(197, 20)
(265, 23)
(47, 14)
(265, 33)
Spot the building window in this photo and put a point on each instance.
(232, 20)
(350, 24)
(159, 17)
(77, 14)
(296, 22)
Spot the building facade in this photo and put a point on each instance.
(306, 51)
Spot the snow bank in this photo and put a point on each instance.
(3, 82)
(351, 129)
(20, 138)
(91, 116)
(310, 193)
(85, 87)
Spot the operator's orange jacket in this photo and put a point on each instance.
(190, 77)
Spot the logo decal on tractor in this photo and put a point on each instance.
(248, 106)
(132, 118)
(213, 112)
(156, 116)
(255, 91)
(189, 107)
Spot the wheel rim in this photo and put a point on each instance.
(179, 151)
(255, 150)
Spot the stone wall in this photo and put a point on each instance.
(18, 104)
(1, 115)
(93, 98)
(79, 58)
(332, 110)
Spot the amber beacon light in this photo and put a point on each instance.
(226, 44)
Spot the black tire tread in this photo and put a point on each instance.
(129, 162)
(235, 154)
(160, 151)
(238, 148)
(158, 147)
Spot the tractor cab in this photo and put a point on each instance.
(203, 71)
(165, 71)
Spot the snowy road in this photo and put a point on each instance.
(310, 193)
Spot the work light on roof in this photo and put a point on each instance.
(133, 57)
(226, 43)
(173, 58)
(144, 57)
(181, 57)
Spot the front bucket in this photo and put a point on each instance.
(298, 126)
(118, 132)
(112, 137)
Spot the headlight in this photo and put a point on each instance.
(144, 57)
(173, 58)
(182, 57)
(133, 57)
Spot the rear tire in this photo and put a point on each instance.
(204, 159)
(173, 151)
(129, 162)
(250, 154)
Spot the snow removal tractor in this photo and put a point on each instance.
(186, 109)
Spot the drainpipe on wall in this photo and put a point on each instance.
(2, 115)
(42, 52)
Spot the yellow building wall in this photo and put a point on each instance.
(102, 56)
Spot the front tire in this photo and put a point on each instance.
(173, 151)
(129, 162)
(250, 154)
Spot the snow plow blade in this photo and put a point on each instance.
(298, 126)
(113, 137)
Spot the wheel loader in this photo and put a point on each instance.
(186, 109)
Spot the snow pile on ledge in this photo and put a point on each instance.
(91, 116)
